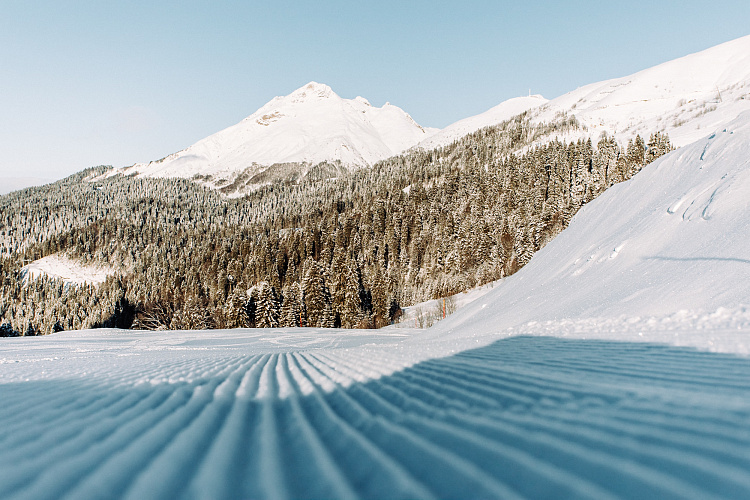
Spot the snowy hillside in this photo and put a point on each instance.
(687, 97)
(669, 244)
(494, 116)
(70, 271)
(309, 126)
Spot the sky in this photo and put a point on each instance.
(85, 83)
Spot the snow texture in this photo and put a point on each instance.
(295, 413)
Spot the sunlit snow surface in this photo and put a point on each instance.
(687, 97)
(305, 413)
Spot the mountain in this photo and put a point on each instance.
(503, 111)
(313, 131)
(686, 97)
(310, 126)
(590, 398)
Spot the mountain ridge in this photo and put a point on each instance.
(687, 97)
(290, 135)
(310, 126)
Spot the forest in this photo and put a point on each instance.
(347, 249)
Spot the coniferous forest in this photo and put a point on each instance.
(346, 251)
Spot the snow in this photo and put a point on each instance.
(311, 125)
(235, 414)
(69, 270)
(500, 113)
(673, 238)
(615, 364)
(425, 314)
(688, 97)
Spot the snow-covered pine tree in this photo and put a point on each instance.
(267, 309)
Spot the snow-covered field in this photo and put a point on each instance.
(303, 413)
(66, 269)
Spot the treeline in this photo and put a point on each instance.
(345, 252)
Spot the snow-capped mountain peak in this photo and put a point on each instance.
(312, 125)
(312, 90)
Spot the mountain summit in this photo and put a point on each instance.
(290, 135)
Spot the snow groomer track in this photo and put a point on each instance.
(104, 414)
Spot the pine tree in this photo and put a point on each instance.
(315, 293)
(291, 309)
(267, 308)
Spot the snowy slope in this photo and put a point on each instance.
(493, 116)
(70, 271)
(668, 243)
(311, 125)
(687, 97)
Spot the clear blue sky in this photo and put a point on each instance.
(94, 82)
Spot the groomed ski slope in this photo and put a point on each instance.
(613, 365)
(122, 414)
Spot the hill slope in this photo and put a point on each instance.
(670, 240)
(503, 111)
(686, 97)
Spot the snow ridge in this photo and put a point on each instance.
(494, 116)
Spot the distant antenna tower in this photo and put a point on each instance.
(529, 92)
